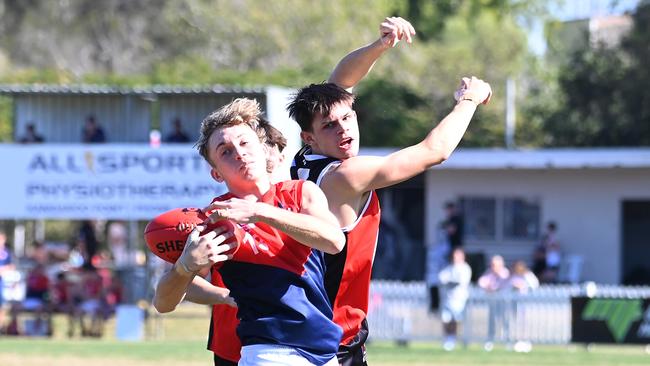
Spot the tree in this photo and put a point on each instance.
(285, 43)
(602, 94)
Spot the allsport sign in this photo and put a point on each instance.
(111, 181)
(610, 320)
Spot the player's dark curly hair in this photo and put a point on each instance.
(316, 99)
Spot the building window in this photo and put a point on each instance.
(498, 219)
(479, 215)
(520, 219)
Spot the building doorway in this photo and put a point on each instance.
(636, 242)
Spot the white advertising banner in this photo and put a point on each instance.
(109, 181)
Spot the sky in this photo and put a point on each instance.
(576, 9)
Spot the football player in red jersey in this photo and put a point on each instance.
(222, 337)
(330, 159)
(274, 276)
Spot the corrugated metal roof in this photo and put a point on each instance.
(144, 89)
(567, 158)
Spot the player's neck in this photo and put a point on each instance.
(252, 191)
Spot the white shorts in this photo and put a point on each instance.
(274, 355)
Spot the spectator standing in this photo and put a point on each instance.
(92, 132)
(88, 243)
(522, 279)
(117, 240)
(454, 283)
(31, 136)
(453, 224)
(6, 264)
(437, 259)
(495, 279)
(178, 135)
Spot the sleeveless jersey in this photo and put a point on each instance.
(277, 283)
(347, 276)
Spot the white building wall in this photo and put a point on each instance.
(586, 204)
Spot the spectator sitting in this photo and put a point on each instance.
(6, 265)
(114, 295)
(37, 297)
(548, 265)
(31, 136)
(92, 132)
(63, 293)
(553, 260)
(92, 303)
(38, 253)
(522, 279)
(178, 135)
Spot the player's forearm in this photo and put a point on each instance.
(308, 230)
(171, 289)
(357, 64)
(446, 136)
(203, 292)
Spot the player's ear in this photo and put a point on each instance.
(307, 137)
(215, 175)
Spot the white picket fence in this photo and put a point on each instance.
(399, 311)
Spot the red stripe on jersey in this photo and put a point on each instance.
(223, 340)
(351, 303)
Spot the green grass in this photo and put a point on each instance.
(180, 338)
(26, 352)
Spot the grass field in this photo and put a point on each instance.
(179, 339)
(56, 352)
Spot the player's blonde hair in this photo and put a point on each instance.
(240, 110)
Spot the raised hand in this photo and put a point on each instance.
(394, 29)
(474, 89)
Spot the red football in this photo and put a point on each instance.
(167, 233)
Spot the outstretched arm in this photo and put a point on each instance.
(363, 173)
(358, 63)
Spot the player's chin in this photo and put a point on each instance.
(348, 152)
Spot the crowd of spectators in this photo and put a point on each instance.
(74, 282)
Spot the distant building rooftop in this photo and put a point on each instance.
(107, 89)
(565, 158)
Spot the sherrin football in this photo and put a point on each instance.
(167, 233)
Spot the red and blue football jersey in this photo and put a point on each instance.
(278, 284)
